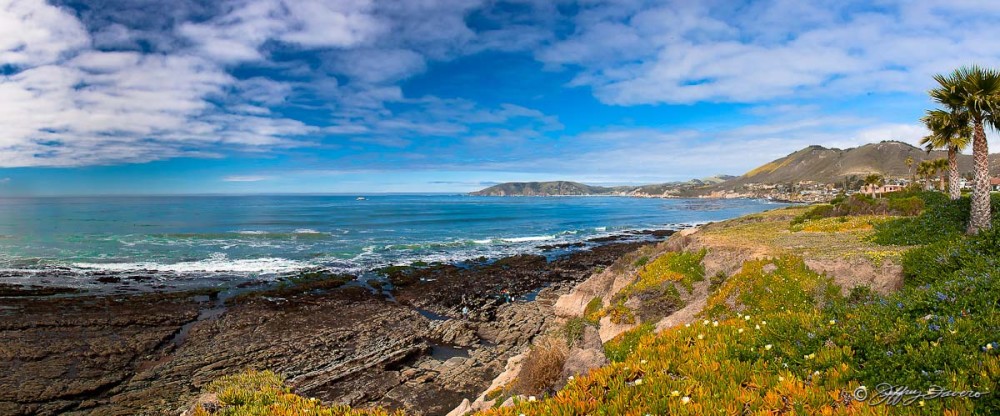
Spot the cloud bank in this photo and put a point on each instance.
(113, 82)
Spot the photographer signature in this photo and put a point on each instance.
(889, 394)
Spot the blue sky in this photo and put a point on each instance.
(358, 96)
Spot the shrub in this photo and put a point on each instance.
(717, 280)
(899, 204)
(573, 330)
(641, 261)
(909, 206)
(943, 259)
(592, 312)
(541, 368)
(942, 219)
(859, 204)
(657, 302)
(620, 314)
(620, 347)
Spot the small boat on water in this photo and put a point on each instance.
(361, 198)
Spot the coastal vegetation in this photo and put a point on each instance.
(778, 338)
(655, 291)
(263, 393)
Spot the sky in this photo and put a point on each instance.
(358, 96)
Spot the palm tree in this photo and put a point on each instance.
(941, 167)
(926, 170)
(949, 130)
(975, 91)
(909, 167)
(873, 181)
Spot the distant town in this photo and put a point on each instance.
(813, 174)
(811, 191)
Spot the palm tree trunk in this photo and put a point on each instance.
(980, 218)
(953, 177)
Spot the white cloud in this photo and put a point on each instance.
(376, 66)
(238, 35)
(455, 120)
(712, 51)
(69, 105)
(34, 33)
(117, 92)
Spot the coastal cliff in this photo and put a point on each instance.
(791, 306)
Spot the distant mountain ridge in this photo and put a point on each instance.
(814, 164)
(553, 188)
(568, 188)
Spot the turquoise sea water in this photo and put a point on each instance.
(74, 240)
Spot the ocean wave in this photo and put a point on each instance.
(528, 239)
(217, 263)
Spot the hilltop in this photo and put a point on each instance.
(552, 188)
(830, 165)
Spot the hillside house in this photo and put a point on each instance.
(995, 184)
(881, 190)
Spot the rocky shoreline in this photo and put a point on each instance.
(435, 335)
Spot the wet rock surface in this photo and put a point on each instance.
(448, 332)
(447, 290)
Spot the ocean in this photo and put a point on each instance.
(191, 240)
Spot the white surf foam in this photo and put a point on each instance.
(217, 263)
(528, 239)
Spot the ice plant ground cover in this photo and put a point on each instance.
(263, 393)
(656, 287)
(788, 340)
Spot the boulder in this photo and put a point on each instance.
(454, 332)
(462, 409)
